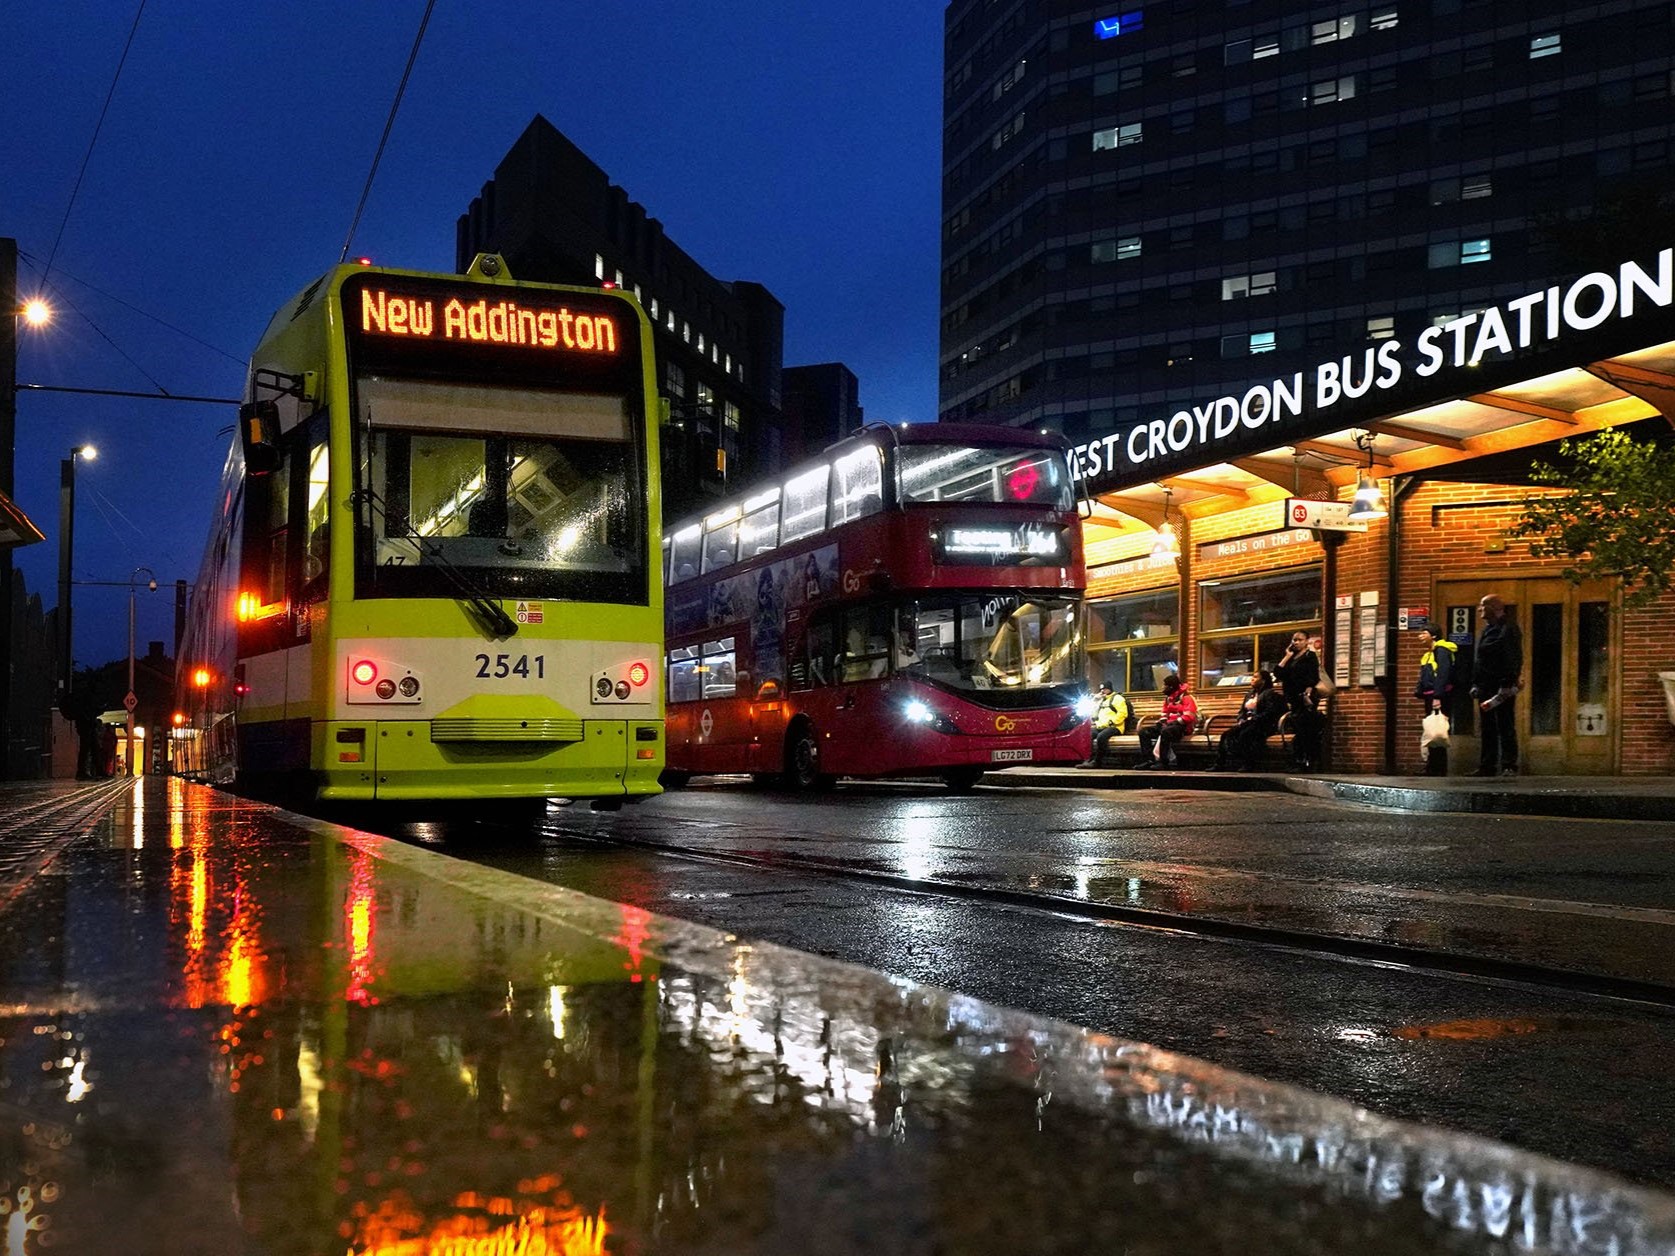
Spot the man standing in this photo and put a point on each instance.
(1436, 681)
(1299, 672)
(1498, 662)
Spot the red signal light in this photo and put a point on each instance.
(638, 674)
(607, 285)
(364, 672)
(363, 261)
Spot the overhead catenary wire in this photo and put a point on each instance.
(88, 156)
(33, 261)
(389, 123)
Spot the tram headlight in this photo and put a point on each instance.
(602, 686)
(385, 688)
(409, 686)
(1086, 705)
(917, 712)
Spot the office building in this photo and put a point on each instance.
(557, 218)
(1246, 252)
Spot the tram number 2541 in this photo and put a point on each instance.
(500, 666)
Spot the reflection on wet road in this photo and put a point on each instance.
(225, 1031)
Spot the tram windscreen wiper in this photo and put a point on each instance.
(492, 615)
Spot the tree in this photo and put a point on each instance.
(1616, 520)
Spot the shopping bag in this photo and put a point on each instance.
(1433, 731)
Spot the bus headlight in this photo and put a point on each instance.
(1086, 705)
(917, 712)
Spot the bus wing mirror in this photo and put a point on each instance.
(258, 431)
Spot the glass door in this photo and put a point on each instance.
(1566, 712)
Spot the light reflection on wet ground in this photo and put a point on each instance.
(222, 1031)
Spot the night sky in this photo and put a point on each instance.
(790, 145)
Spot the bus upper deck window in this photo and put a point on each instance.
(684, 554)
(803, 509)
(857, 485)
(759, 530)
(721, 539)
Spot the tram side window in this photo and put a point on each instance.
(716, 669)
(683, 674)
(804, 512)
(857, 485)
(316, 522)
(267, 533)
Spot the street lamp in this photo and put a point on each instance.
(132, 700)
(66, 546)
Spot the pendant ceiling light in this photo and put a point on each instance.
(1369, 498)
(1167, 545)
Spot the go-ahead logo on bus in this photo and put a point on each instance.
(1005, 724)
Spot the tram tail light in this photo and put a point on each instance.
(364, 672)
(625, 682)
(381, 682)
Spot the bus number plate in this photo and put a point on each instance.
(1011, 756)
(502, 666)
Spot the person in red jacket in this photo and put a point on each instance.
(1177, 720)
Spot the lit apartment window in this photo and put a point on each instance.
(1441, 320)
(653, 309)
(1383, 20)
(598, 266)
(1012, 79)
(729, 366)
(670, 322)
(1476, 187)
(1241, 346)
(1116, 136)
(1257, 285)
(1330, 90)
(1007, 132)
(730, 415)
(1267, 46)
(1128, 246)
(686, 332)
(1262, 342)
(700, 342)
(619, 279)
(1458, 253)
(1115, 249)
(1123, 24)
(1545, 46)
(1332, 30)
(1381, 328)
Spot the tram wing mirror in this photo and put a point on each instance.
(258, 431)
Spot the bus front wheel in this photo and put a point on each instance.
(962, 780)
(802, 760)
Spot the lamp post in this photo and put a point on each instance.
(66, 547)
(132, 700)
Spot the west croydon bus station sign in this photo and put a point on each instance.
(1387, 374)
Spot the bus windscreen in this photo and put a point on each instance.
(979, 473)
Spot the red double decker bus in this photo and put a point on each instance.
(909, 604)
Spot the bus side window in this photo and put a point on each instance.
(866, 642)
(683, 674)
(820, 650)
(717, 669)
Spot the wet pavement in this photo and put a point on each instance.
(1578, 797)
(228, 1029)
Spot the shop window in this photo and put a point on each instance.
(1245, 625)
(1134, 641)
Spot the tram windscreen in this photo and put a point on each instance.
(981, 473)
(991, 641)
(528, 493)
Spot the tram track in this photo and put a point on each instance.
(1424, 961)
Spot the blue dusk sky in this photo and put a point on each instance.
(795, 146)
